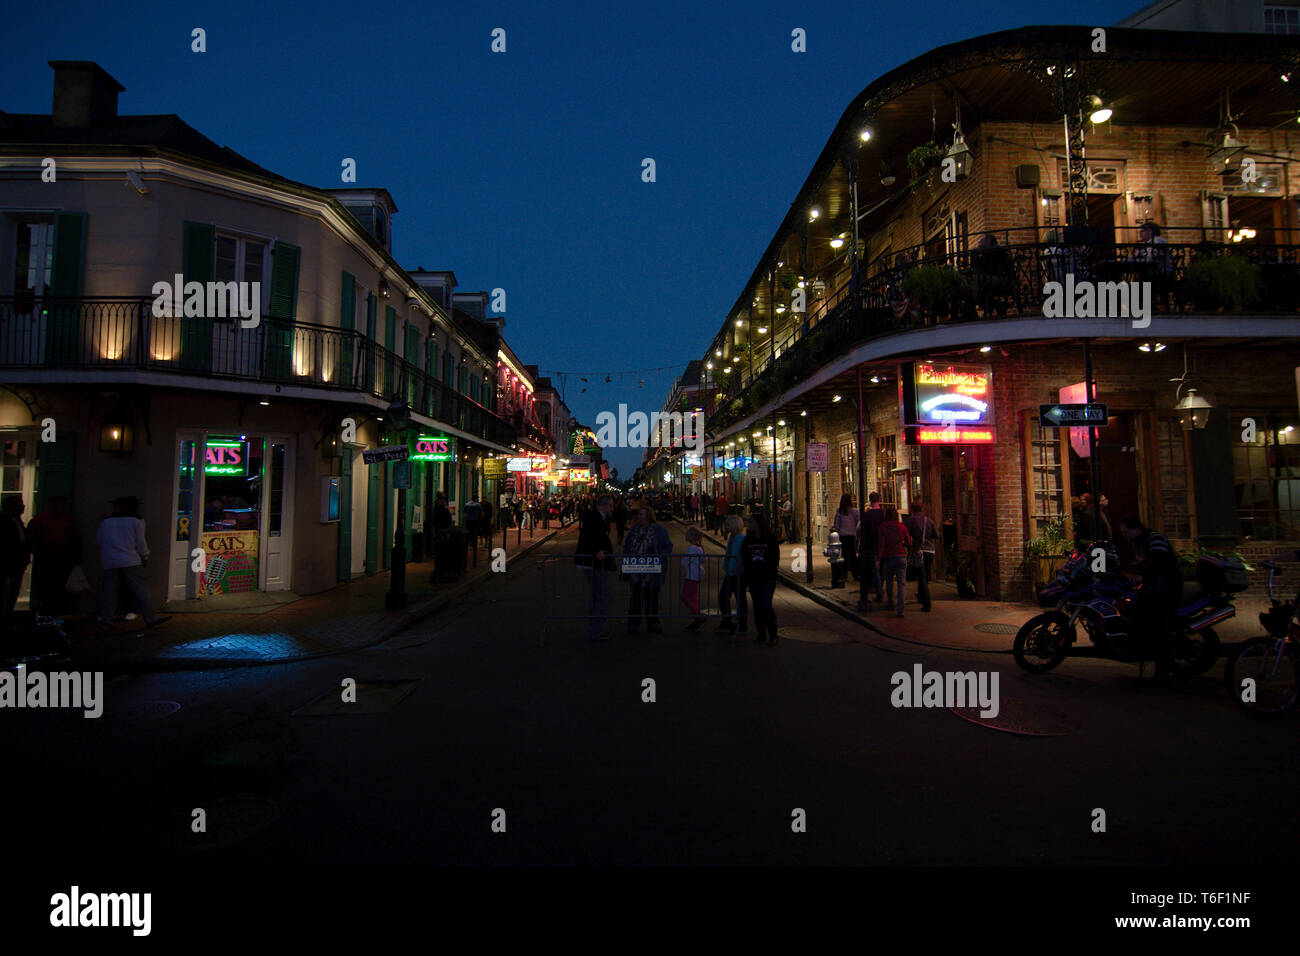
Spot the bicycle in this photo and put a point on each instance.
(1262, 673)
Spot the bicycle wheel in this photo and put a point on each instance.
(1262, 676)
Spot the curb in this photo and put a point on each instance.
(844, 612)
(412, 616)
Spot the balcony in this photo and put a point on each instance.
(123, 333)
(918, 288)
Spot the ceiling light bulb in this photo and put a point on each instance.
(836, 242)
(837, 398)
(986, 348)
(762, 330)
(813, 213)
(865, 135)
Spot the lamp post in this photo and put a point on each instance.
(400, 415)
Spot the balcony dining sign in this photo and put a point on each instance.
(945, 403)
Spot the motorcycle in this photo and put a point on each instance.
(1104, 603)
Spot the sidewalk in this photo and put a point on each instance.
(344, 618)
(954, 623)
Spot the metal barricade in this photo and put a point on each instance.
(639, 598)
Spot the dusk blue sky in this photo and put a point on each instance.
(522, 170)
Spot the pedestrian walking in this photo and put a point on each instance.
(123, 555)
(56, 550)
(760, 562)
(721, 508)
(787, 517)
(15, 555)
(894, 542)
(692, 572)
(868, 548)
(920, 556)
(648, 538)
(733, 581)
(595, 557)
(846, 524)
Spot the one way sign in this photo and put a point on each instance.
(1061, 415)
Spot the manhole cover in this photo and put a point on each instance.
(998, 628)
(229, 820)
(372, 697)
(811, 635)
(1017, 716)
(148, 710)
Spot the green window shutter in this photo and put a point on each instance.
(412, 355)
(372, 319)
(390, 343)
(63, 328)
(390, 508)
(198, 263)
(285, 260)
(347, 321)
(447, 375)
(345, 514)
(54, 468)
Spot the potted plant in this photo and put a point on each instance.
(935, 289)
(1047, 550)
(1223, 282)
(924, 158)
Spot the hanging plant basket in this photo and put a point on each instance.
(924, 158)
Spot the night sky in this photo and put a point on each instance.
(522, 170)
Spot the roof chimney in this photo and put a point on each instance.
(84, 95)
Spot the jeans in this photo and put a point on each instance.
(764, 615)
(645, 598)
(869, 578)
(598, 603)
(923, 579)
(894, 571)
(848, 549)
(733, 584)
(135, 578)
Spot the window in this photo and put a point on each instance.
(848, 469)
(1267, 479)
(1100, 177)
(34, 259)
(1175, 495)
(1045, 475)
(886, 461)
(1281, 20)
(238, 259)
(11, 467)
(1214, 216)
(819, 493)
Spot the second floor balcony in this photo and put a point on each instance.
(104, 334)
(1019, 274)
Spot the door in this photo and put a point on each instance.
(345, 515)
(374, 474)
(359, 506)
(277, 514)
(968, 512)
(187, 516)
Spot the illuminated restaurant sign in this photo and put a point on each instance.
(951, 435)
(434, 448)
(580, 474)
(941, 394)
(226, 458)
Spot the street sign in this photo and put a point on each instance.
(494, 468)
(402, 475)
(388, 453)
(1061, 415)
(819, 455)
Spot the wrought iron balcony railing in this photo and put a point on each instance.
(918, 288)
(115, 333)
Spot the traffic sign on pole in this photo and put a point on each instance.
(1061, 415)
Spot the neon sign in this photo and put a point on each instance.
(953, 435)
(225, 458)
(935, 394)
(434, 448)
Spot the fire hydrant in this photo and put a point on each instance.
(835, 553)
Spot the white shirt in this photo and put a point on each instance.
(121, 542)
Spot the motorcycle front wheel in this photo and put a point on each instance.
(1272, 667)
(1043, 641)
(1195, 653)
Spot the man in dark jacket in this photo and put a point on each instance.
(868, 543)
(594, 556)
(1162, 588)
(15, 554)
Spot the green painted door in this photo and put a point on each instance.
(347, 320)
(386, 546)
(345, 514)
(198, 263)
(54, 469)
(285, 259)
(63, 329)
(373, 483)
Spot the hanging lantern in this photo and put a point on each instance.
(961, 156)
(1193, 411)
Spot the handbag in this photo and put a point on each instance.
(77, 582)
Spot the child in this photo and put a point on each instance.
(692, 571)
